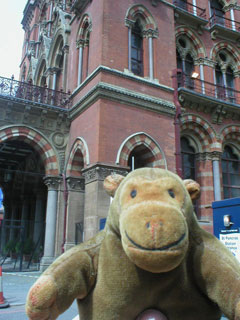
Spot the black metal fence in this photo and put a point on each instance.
(209, 89)
(17, 251)
(189, 7)
(30, 92)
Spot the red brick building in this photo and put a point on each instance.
(148, 83)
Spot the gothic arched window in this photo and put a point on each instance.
(230, 173)
(137, 49)
(140, 157)
(188, 159)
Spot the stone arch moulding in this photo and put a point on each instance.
(74, 166)
(197, 43)
(54, 45)
(86, 21)
(202, 132)
(147, 19)
(229, 48)
(39, 67)
(230, 133)
(138, 139)
(37, 141)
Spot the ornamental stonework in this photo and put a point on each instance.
(99, 172)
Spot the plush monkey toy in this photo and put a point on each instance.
(152, 258)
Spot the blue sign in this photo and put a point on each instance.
(102, 223)
(1, 199)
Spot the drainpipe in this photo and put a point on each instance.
(177, 122)
(65, 197)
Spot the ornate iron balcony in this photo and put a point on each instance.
(207, 89)
(28, 91)
(217, 19)
(190, 8)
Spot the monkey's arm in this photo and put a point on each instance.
(71, 276)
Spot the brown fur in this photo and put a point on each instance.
(152, 254)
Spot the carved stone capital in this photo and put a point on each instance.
(129, 23)
(218, 114)
(150, 33)
(76, 183)
(80, 43)
(205, 156)
(52, 182)
(99, 171)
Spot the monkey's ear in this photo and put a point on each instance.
(111, 183)
(193, 188)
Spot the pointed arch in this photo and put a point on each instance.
(85, 26)
(37, 141)
(197, 43)
(138, 11)
(230, 133)
(40, 69)
(156, 154)
(222, 45)
(59, 36)
(201, 131)
(78, 158)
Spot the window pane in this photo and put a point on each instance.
(226, 193)
(225, 178)
(230, 173)
(233, 167)
(235, 192)
(134, 53)
(224, 166)
(235, 179)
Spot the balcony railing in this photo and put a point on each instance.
(190, 8)
(27, 91)
(225, 22)
(209, 89)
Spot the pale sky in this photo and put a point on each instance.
(11, 37)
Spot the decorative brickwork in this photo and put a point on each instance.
(230, 133)
(202, 132)
(147, 20)
(78, 159)
(37, 141)
(155, 156)
(225, 46)
(201, 53)
(84, 26)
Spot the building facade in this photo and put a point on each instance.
(109, 86)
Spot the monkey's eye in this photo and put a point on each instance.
(171, 193)
(133, 193)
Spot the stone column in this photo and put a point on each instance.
(13, 218)
(24, 213)
(216, 176)
(96, 199)
(233, 19)
(202, 78)
(150, 44)
(205, 179)
(54, 83)
(39, 218)
(129, 48)
(52, 183)
(80, 61)
(75, 208)
(65, 66)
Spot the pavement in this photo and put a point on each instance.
(15, 288)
